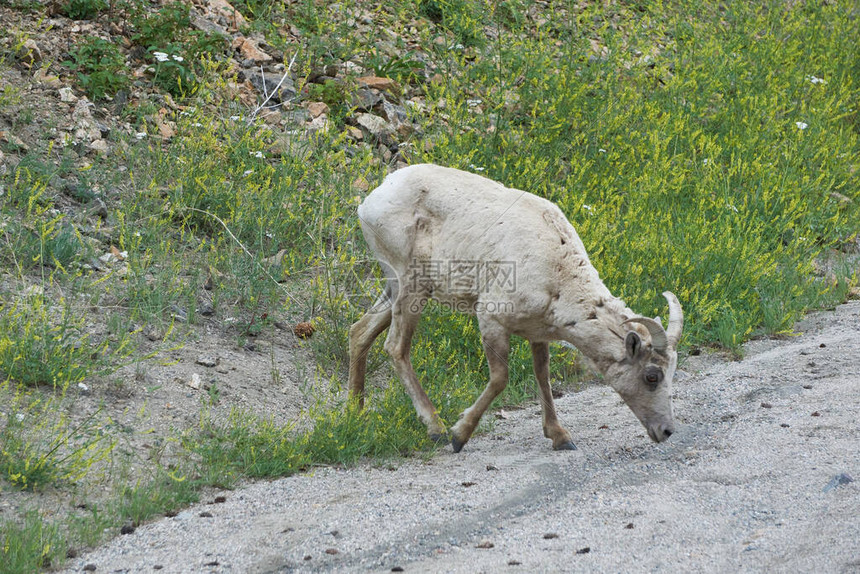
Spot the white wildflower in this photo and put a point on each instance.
(247, 172)
(473, 103)
(19, 416)
(161, 56)
(140, 135)
(816, 80)
(476, 168)
(587, 208)
(178, 58)
(257, 154)
(83, 387)
(801, 125)
(601, 150)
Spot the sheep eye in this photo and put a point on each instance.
(653, 376)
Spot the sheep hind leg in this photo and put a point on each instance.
(362, 334)
(404, 318)
(552, 429)
(497, 348)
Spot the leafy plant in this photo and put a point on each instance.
(162, 28)
(82, 9)
(100, 66)
(172, 73)
(175, 46)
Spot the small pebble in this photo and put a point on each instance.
(629, 526)
(205, 514)
(585, 550)
(90, 568)
(485, 544)
(765, 405)
(332, 551)
(126, 529)
(550, 535)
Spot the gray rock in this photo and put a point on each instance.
(178, 313)
(297, 116)
(398, 117)
(376, 126)
(99, 146)
(266, 83)
(365, 99)
(206, 25)
(207, 360)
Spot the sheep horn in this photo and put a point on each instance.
(659, 342)
(676, 319)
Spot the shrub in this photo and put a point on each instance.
(100, 66)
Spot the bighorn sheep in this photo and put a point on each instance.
(512, 259)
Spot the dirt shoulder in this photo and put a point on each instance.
(747, 483)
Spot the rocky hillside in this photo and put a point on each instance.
(90, 84)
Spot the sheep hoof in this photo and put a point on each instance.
(565, 446)
(439, 437)
(456, 444)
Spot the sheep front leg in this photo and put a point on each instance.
(405, 314)
(497, 344)
(552, 429)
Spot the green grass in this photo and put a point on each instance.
(694, 149)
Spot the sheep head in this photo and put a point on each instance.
(644, 377)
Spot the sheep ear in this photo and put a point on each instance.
(633, 344)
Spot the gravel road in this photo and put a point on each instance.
(758, 477)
